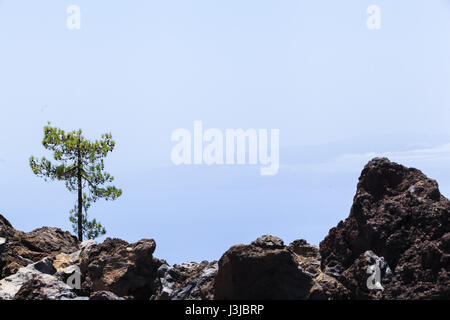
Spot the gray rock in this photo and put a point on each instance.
(373, 259)
(167, 282)
(193, 289)
(67, 272)
(367, 277)
(44, 287)
(187, 281)
(76, 256)
(44, 269)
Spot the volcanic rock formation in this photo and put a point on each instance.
(399, 214)
(395, 244)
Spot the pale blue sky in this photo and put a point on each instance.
(339, 93)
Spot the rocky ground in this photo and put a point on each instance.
(395, 244)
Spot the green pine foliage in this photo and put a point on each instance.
(80, 165)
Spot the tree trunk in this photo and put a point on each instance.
(80, 197)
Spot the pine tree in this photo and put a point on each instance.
(80, 166)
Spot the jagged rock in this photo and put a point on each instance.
(104, 295)
(21, 249)
(268, 242)
(85, 245)
(10, 285)
(187, 281)
(67, 264)
(122, 268)
(266, 269)
(71, 275)
(324, 287)
(356, 277)
(44, 287)
(307, 256)
(5, 226)
(399, 214)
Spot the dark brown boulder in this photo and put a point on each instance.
(267, 269)
(51, 241)
(20, 248)
(187, 281)
(122, 268)
(4, 225)
(400, 215)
